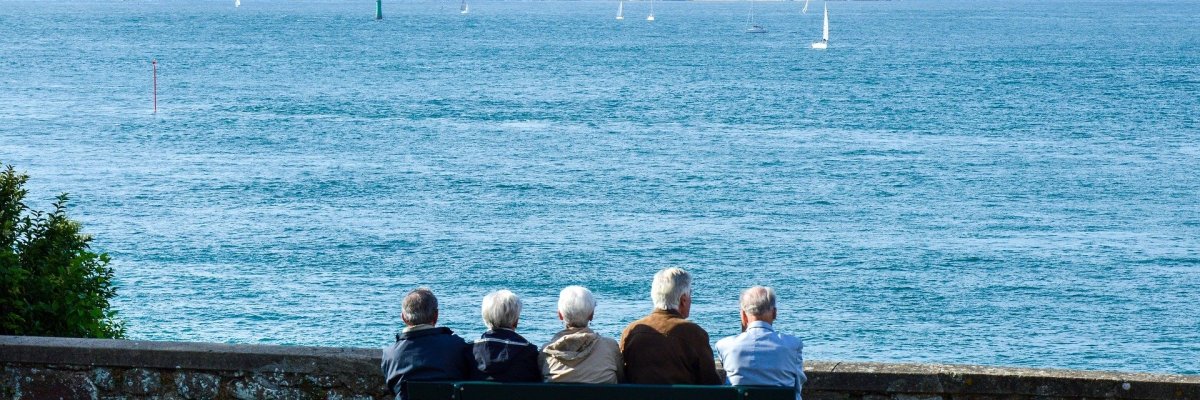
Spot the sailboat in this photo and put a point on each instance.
(237, 3)
(621, 10)
(464, 8)
(754, 28)
(824, 42)
(805, 10)
(651, 17)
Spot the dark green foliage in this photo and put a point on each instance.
(50, 283)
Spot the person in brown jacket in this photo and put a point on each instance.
(664, 347)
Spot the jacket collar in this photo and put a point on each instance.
(438, 330)
(502, 333)
(671, 313)
(761, 325)
(418, 327)
(568, 331)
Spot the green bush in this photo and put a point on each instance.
(51, 284)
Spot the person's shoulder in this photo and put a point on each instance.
(508, 335)
(791, 340)
(643, 321)
(520, 336)
(640, 321)
(726, 342)
(445, 335)
(607, 341)
(690, 327)
(391, 349)
(528, 343)
(731, 339)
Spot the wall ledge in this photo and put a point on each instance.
(185, 355)
(233, 370)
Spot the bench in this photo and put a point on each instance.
(572, 391)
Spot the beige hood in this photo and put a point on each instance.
(581, 356)
(572, 347)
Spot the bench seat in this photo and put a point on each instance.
(573, 391)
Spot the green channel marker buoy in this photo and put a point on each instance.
(378, 9)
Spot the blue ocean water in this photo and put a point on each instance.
(990, 182)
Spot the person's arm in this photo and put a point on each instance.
(801, 378)
(384, 365)
(544, 366)
(721, 347)
(534, 374)
(707, 369)
(620, 364)
(622, 346)
(470, 367)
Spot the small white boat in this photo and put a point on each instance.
(237, 3)
(824, 42)
(805, 10)
(754, 27)
(621, 10)
(651, 17)
(464, 8)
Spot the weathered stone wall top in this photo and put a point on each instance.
(972, 381)
(63, 368)
(185, 355)
(40, 367)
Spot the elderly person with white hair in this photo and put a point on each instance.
(500, 353)
(759, 355)
(664, 347)
(577, 354)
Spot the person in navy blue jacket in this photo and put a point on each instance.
(424, 351)
(501, 354)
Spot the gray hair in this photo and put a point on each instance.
(669, 287)
(758, 300)
(501, 309)
(420, 306)
(576, 304)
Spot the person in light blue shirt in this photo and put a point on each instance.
(759, 355)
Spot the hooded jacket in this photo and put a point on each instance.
(502, 355)
(579, 355)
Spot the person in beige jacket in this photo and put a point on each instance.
(577, 354)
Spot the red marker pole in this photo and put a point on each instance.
(154, 65)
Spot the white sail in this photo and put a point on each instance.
(464, 8)
(754, 27)
(237, 3)
(805, 10)
(621, 10)
(824, 42)
(651, 17)
(825, 30)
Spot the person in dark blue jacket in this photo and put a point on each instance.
(423, 351)
(500, 353)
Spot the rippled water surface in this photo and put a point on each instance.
(991, 182)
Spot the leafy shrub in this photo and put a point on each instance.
(51, 284)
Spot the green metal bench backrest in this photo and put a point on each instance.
(766, 393)
(431, 390)
(543, 391)
(567, 391)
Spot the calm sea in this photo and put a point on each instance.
(992, 182)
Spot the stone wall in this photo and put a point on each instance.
(51, 368)
(877, 381)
